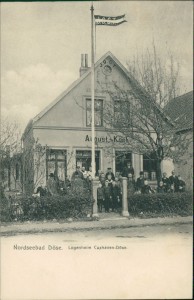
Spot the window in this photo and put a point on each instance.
(121, 112)
(150, 166)
(56, 164)
(83, 158)
(17, 172)
(98, 112)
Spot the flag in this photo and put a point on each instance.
(110, 21)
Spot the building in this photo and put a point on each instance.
(63, 129)
(180, 110)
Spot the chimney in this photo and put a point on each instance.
(84, 64)
(86, 60)
(82, 60)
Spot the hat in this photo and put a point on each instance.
(51, 175)
(141, 173)
(109, 168)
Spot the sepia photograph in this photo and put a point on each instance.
(96, 150)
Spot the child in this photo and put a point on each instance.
(107, 196)
(119, 185)
(100, 197)
(161, 188)
(102, 178)
(115, 196)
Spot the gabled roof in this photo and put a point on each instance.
(140, 90)
(180, 110)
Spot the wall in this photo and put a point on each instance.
(72, 140)
(185, 166)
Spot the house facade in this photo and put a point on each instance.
(63, 129)
(180, 110)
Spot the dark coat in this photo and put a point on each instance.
(115, 191)
(77, 173)
(166, 183)
(139, 183)
(112, 175)
(100, 193)
(107, 192)
(175, 182)
(146, 189)
(130, 186)
(181, 185)
(127, 170)
(161, 189)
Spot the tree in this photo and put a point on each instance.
(10, 144)
(138, 115)
(34, 165)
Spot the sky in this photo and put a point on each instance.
(42, 42)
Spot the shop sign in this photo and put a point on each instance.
(107, 139)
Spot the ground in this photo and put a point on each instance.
(153, 262)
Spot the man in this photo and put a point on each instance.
(107, 196)
(109, 173)
(77, 185)
(83, 170)
(181, 184)
(140, 181)
(146, 189)
(52, 185)
(128, 170)
(77, 173)
(174, 182)
(166, 182)
(89, 173)
(40, 190)
(130, 185)
(161, 188)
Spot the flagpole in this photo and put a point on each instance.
(92, 91)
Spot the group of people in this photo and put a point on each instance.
(173, 184)
(109, 191)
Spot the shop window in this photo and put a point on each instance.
(98, 112)
(121, 160)
(84, 158)
(150, 166)
(121, 113)
(56, 163)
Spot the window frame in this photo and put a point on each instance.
(150, 159)
(55, 159)
(120, 112)
(79, 155)
(90, 110)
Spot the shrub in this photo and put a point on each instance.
(163, 204)
(5, 210)
(74, 205)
